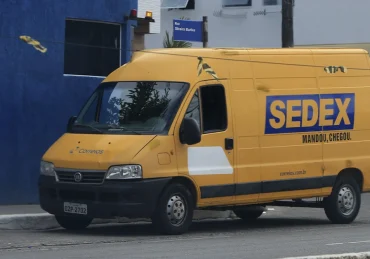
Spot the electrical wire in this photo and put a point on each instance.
(187, 55)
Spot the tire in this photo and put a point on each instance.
(174, 212)
(343, 204)
(73, 223)
(250, 214)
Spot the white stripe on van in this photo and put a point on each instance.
(208, 161)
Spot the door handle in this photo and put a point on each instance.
(229, 143)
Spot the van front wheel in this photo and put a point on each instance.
(343, 204)
(174, 212)
(73, 223)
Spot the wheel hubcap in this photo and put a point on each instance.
(176, 210)
(346, 200)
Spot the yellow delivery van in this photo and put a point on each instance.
(175, 130)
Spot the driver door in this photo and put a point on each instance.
(210, 162)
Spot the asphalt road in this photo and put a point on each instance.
(281, 232)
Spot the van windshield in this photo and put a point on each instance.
(144, 107)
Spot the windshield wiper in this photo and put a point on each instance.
(89, 126)
(116, 127)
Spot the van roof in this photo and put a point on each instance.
(180, 64)
(259, 51)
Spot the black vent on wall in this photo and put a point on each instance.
(190, 6)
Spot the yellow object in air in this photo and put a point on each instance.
(36, 44)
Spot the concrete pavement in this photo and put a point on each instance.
(280, 233)
(365, 255)
(32, 217)
(270, 238)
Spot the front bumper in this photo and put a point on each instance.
(133, 199)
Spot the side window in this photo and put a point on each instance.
(214, 111)
(193, 109)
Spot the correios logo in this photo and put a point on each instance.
(86, 151)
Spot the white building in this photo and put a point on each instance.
(243, 23)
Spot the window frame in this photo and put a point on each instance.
(200, 108)
(225, 5)
(199, 91)
(226, 109)
(278, 2)
(94, 21)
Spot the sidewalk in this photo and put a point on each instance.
(32, 217)
(20, 217)
(20, 209)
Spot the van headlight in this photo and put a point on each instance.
(124, 172)
(47, 168)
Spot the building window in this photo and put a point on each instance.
(236, 3)
(178, 4)
(271, 2)
(91, 48)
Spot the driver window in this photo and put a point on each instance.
(193, 109)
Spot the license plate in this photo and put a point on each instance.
(75, 208)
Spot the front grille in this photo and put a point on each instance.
(87, 177)
(73, 195)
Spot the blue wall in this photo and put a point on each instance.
(36, 99)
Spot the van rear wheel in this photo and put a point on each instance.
(174, 212)
(249, 214)
(73, 223)
(343, 204)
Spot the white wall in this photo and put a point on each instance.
(253, 31)
(315, 22)
(153, 6)
(331, 21)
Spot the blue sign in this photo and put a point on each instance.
(311, 112)
(188, 30)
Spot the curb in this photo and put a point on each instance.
(46, 221)
(364, 255)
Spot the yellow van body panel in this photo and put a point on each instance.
(196, 161)
(99, 152)
(95, 152)
(295, 124)
(167, 65)
(340, 154)
(158, 158)
(283, 154)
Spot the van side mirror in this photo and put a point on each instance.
(70, 123)
(190, 132)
